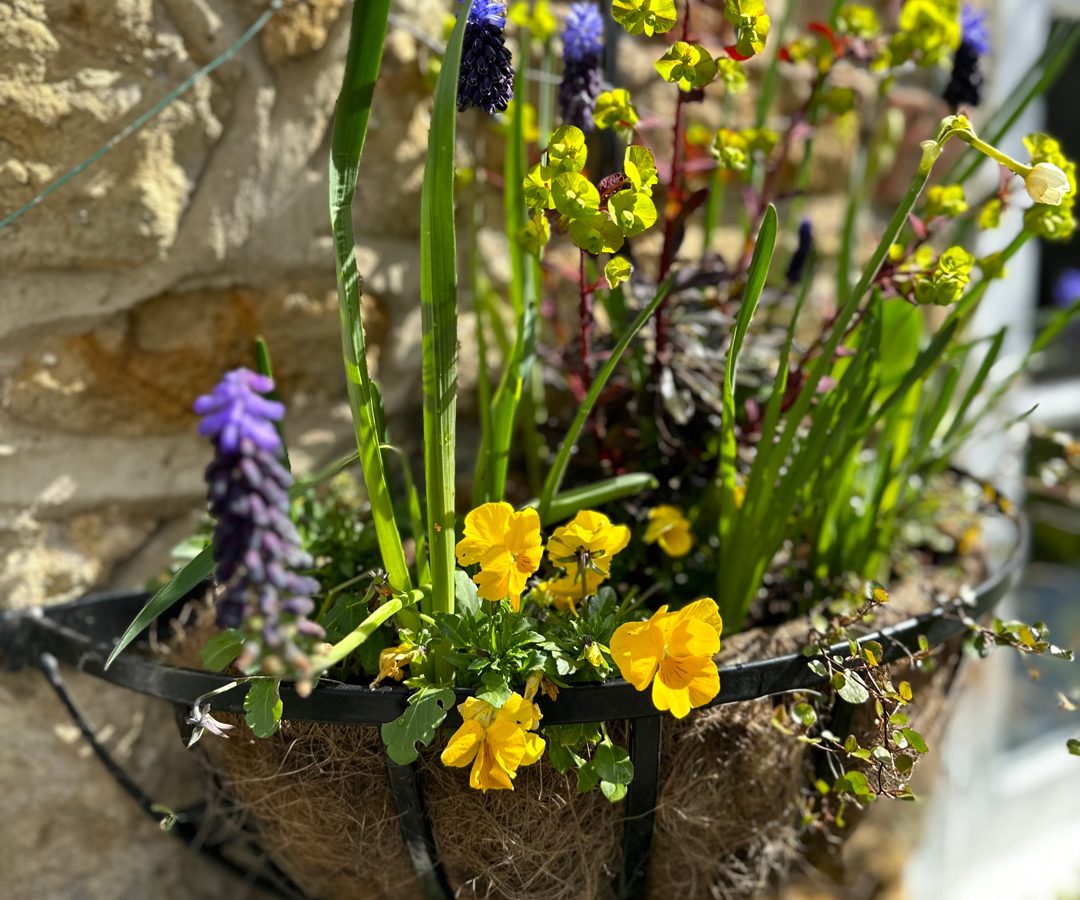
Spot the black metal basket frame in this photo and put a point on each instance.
(81, 634)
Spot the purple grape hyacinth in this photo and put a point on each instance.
(256, 545)
(486, 77)
(965, 83)
(583, 50)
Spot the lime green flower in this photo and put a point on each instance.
(990, 214)
(540, 22)
(732, 74)
(947, 280)
(731, 150)
(646, 17)
(640, 168)
(632, 211)
(617, 270)
(858, 21)
(566, 150)
(615, 109)
(687, 65)
(945, 200)
(535, 234)
(751, 23)
(929, 32)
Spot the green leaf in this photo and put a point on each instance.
(853, 783)
(804, 714)
(264, 367)
(1074, 746)
(915, 740)
(586, 778)
(465, 597)
(632, 211)
(438, 311)
(618, 270)
(596, 233)
(730, 513)
(222, 649)
(613, 764)
(262, 707)
(646, 17)
(640, 168)
(562, 459)
(180, 585)
(560, 757)
(369, 22)
(613, 792)
(590, 496)
(853, 690)
(566, 150)
(496, 690)
(418, 724)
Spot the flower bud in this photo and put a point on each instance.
(1046, 183)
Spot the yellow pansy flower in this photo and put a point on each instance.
(508, 547)
(497, 742)
(392, 660)
(669, 528)
(584, 547)
(674, 652)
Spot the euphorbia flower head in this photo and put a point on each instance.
(672, 651)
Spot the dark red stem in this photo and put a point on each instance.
(585, 321)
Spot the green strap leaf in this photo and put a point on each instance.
(438, 308)
(590, 496)
(350, 127)
(562, 459)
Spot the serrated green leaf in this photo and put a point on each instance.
(262, 707)
(222, 649)
(417, 725)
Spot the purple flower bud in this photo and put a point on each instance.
(973, 29)
(582, 77)
(799, 258)
(1067, 287)
(486, 77)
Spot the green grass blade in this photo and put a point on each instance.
(562, 459)
(590, 496)
(350, 127)
(489, 482)
(755, 283)
(183, 582)
(264, 367)
(438, 308)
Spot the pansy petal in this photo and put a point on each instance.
(461, 748)
(637, 648)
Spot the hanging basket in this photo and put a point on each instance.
(325, 770)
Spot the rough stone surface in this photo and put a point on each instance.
(125, 294)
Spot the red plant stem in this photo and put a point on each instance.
(672, 206)
(585, 321)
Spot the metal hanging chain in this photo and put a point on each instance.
(150, 114)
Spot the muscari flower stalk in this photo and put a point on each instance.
(256, 545)
(965, 85)
(582, 53)
(799, 258)
(486, 78)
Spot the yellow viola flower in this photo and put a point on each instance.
(392, 660)
(584, 547)
(674, 652)
(669, 528)
(508, 547)
(496, 742)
